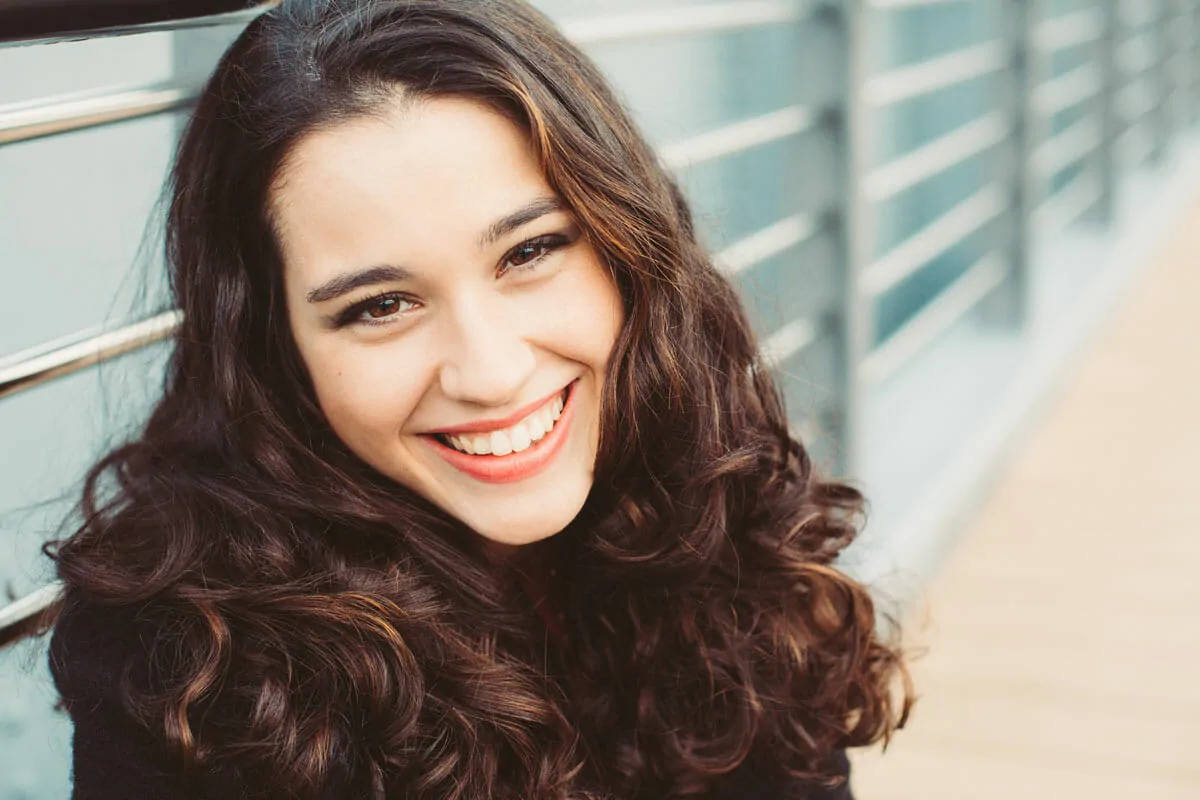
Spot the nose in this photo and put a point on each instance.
(487, 358)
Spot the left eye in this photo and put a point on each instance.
(527, 254)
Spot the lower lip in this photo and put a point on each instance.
(514, 466)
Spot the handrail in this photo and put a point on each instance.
(738, 136)
(30, 605)
(21, 122)
(788, 341)
(1135, 100)
(709, 18)
(1065, 148)
(1137, 55)
(767, 243)
(1070, 30)
(951, 69)
(1068, 90)
(968, 140)
(934, 239)
(1135, 145)
(33, 367)
(1069, 203)
(936, 317)
(902, 4)
(43, 21)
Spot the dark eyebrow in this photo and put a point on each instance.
(350, 281)
(522, 216)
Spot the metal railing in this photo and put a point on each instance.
(1134, 72)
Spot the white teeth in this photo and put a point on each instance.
(520, 438)
(501, 444)
(511, 440)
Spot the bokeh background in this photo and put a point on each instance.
(969, 235)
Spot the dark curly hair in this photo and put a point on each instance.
(316, 621)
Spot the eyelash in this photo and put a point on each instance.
(354, 314)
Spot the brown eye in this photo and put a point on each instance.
(526, 253)
(381, 308)
(384, 306)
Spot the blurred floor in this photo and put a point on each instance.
(1064, 633)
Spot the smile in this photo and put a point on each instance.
(514, 452)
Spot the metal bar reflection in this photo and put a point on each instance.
(738, 136)
(1070, 30)
(28, 606)
(934, 319)
(31, 368)
(942, 153)
(709, 18)
(958, 67)
(935, 239)
(767, 243)
(25, 121)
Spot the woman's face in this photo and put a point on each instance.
(454, 319)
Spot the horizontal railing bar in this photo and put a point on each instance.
(709, 18)
(1136, 13)
(954, 68)
(1069, 30)
(90, 19)
(788, 341)
(934, 239)
(933, 320)
(1135, 145)
(1068, 90)
(29, 606)
(34, 367)
(25, 121)
(902, 4)
(767, 243)
(1069, 203)
(1067, 147)
(1135, 100)
(1137, 55)
(953, 148)
(738, 136)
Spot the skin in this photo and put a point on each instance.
(475, 330)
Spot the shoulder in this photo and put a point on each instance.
(760, 778)
(95, 647)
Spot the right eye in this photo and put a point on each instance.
(376, 310)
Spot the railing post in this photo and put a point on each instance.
(1161, 37)
(1189, 50)
(1008, 306)
(1106, 108)
(856, 326)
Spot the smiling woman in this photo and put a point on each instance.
(445, 361)
(467, 480)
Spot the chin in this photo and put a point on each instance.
(526, 521)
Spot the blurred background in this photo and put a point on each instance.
(969, 235)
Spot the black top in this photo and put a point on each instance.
(116, 759)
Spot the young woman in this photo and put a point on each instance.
(466, 481)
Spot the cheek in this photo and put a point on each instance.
(584, 314)
(365, 398)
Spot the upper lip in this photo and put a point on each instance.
(489, 425)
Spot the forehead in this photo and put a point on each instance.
(417, 172)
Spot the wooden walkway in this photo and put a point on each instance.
(1064, 633)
